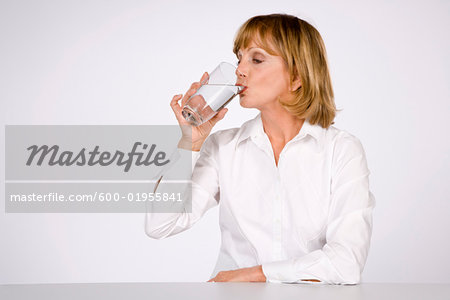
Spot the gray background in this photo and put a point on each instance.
(120, 62)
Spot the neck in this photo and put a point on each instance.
(280, 125)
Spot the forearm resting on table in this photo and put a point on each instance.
(252, 274)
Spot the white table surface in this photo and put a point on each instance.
(228, 291)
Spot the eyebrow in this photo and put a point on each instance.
(257, 48)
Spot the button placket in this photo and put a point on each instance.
(277, 221)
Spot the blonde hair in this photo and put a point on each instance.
(303, 50)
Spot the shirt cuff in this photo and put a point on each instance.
(293, 270)
(279, 271)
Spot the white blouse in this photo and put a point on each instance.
(310, 217)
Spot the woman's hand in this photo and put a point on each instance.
(253, 274)
(193, 137)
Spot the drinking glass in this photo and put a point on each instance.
(214, 94)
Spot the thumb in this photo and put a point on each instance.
(220, 115)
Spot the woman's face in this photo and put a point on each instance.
(266, 77)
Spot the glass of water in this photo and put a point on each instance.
(214, 94)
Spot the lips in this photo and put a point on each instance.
(243, 90)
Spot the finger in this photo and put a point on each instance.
(205, 78)
(194, 87)
(177, 108)
(220, 115)
(174, 103)
(190, 92)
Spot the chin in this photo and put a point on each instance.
(244, 102)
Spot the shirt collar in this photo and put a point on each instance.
(254, 129)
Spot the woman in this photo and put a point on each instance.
(295, 204)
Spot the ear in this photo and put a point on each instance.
(296, 84)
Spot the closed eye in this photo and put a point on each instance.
(257, 61)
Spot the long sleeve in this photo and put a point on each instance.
(349, 228)
(203, 194)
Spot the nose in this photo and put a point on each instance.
(240, 73)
